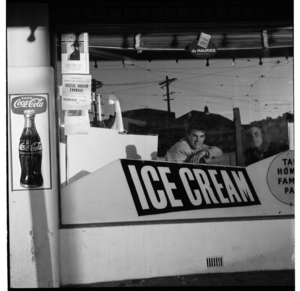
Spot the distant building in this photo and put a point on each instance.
(169, 129)
(146, 120)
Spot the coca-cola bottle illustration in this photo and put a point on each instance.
(30, 153)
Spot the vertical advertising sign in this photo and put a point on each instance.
(76, 95)
(76, 92)
(30, 141)
(75, 53)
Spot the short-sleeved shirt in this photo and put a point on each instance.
(182, 152)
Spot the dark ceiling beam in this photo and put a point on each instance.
(192, 11)
(178, 55)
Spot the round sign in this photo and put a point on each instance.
(201, 52)
(280, 178)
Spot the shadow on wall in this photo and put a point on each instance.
(40, 236)
(76, 177)
(131, 152)
(24, 15)
(154, 156)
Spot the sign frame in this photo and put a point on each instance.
(16, 121)
(168, 182)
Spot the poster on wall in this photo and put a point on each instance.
(76, 92)
(75, 53)
(30, 141)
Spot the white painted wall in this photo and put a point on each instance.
(90, 255)
(104, 196)
(90, 152)
(111, 253)
(33, 215)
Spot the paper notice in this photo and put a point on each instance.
(75, 53)
(76, 92)
(77, 124)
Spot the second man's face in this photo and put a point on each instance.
(196, 139)
(256, 137)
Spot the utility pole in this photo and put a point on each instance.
(166, 83)
(238, 136)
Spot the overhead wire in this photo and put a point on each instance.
(191, 89)
(261, 77)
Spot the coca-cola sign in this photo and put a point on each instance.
(23, 102)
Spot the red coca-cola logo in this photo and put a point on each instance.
(21, 103)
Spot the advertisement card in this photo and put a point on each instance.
(75, 53)
(204, 40)
(76, 92)
(30, 141)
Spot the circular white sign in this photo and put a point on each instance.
(281, 179)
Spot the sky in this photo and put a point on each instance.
(259, 91)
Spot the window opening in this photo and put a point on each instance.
(160, 98)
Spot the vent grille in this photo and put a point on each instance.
(214, 262)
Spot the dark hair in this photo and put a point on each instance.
(259, 125)
(196, 126)
(265, 136)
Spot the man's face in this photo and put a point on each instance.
(72, 48)
(256, 136)
(196, 139)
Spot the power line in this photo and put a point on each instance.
(261, 77)
(167, 83)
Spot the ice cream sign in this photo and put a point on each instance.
(172, 187)
(30, 101)
(281, 178)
